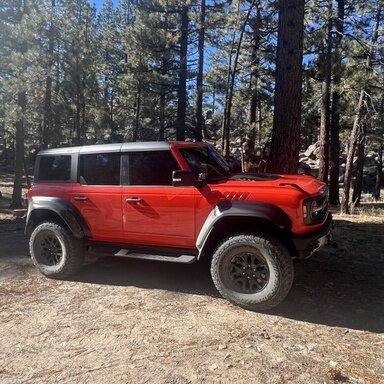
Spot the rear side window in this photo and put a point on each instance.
(54, 168)
(100, 169)
(151, 168)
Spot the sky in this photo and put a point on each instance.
(99, 3)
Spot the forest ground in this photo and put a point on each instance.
(136, 321)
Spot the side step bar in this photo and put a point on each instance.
(182, 259)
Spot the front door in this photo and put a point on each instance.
(155, 212)
(98, 195)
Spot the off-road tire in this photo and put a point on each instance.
(276, 257)
(72, 251)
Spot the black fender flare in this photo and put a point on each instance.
(261, 210)
(61, 207)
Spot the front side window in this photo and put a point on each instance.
(206, 160)
(100, 169)
(151, 168)
(55, 168)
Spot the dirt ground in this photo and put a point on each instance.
(127, 321)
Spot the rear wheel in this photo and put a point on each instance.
(252, 271)
(54, 251)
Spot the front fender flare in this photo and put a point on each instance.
(259, 210)
(63, 208)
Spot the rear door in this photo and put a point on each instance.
(98, 194)
(155, 212)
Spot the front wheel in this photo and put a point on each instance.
(252, 271)
(54, 251)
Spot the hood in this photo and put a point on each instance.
(306, 184)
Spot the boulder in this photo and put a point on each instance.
(311, 151)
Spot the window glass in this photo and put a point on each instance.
(55, 168)
(151, 168)
(206, 160)
(100, 169)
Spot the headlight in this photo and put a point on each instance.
(315, 209)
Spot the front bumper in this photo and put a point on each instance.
(311, 242)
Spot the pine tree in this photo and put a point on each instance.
(285, 146)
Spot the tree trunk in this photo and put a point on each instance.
(379, 165)
(358, 186)
(182, 88)
(351, 153)
(27, 178)
(232, 84)
(48, 116)
(162, 116)
(136, 126)
(200, 73)
(77, 123)
(223, 126)
(356, 125)
(162, 102)
(326, 99)
(250, 140)
(285, 146)
(19, 153)
(335, 112)
(379, 173)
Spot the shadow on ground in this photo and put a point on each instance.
(341, 287)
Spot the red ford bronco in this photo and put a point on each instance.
(175, 202)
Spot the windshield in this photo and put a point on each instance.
(206, 160)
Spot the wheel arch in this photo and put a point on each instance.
(58, 210)
(242, 217)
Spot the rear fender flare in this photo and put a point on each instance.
(225, 209)
(61, 207)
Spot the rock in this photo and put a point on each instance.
(213, 367)
(265, 335)
(333, 364)
(222, 346)
(310, 347)
(310, 152)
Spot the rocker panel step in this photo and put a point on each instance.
(183, 259)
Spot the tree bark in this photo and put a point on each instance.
(19, 153)
(162, 102)
(285, 146)
(136, 126)
(358, 186)
(48, 116)
(379, 173)
(250, 140)
(16, 201)
(232, 83)
(229, 70)
(345, 208)
(200, 74)
(335, 111)
(326, 99)
(182, 88)
(379, 165)
(162, 117)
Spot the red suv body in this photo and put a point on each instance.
(169, 201)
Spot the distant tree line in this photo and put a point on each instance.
(271, 76)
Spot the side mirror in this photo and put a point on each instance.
(183, 179)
